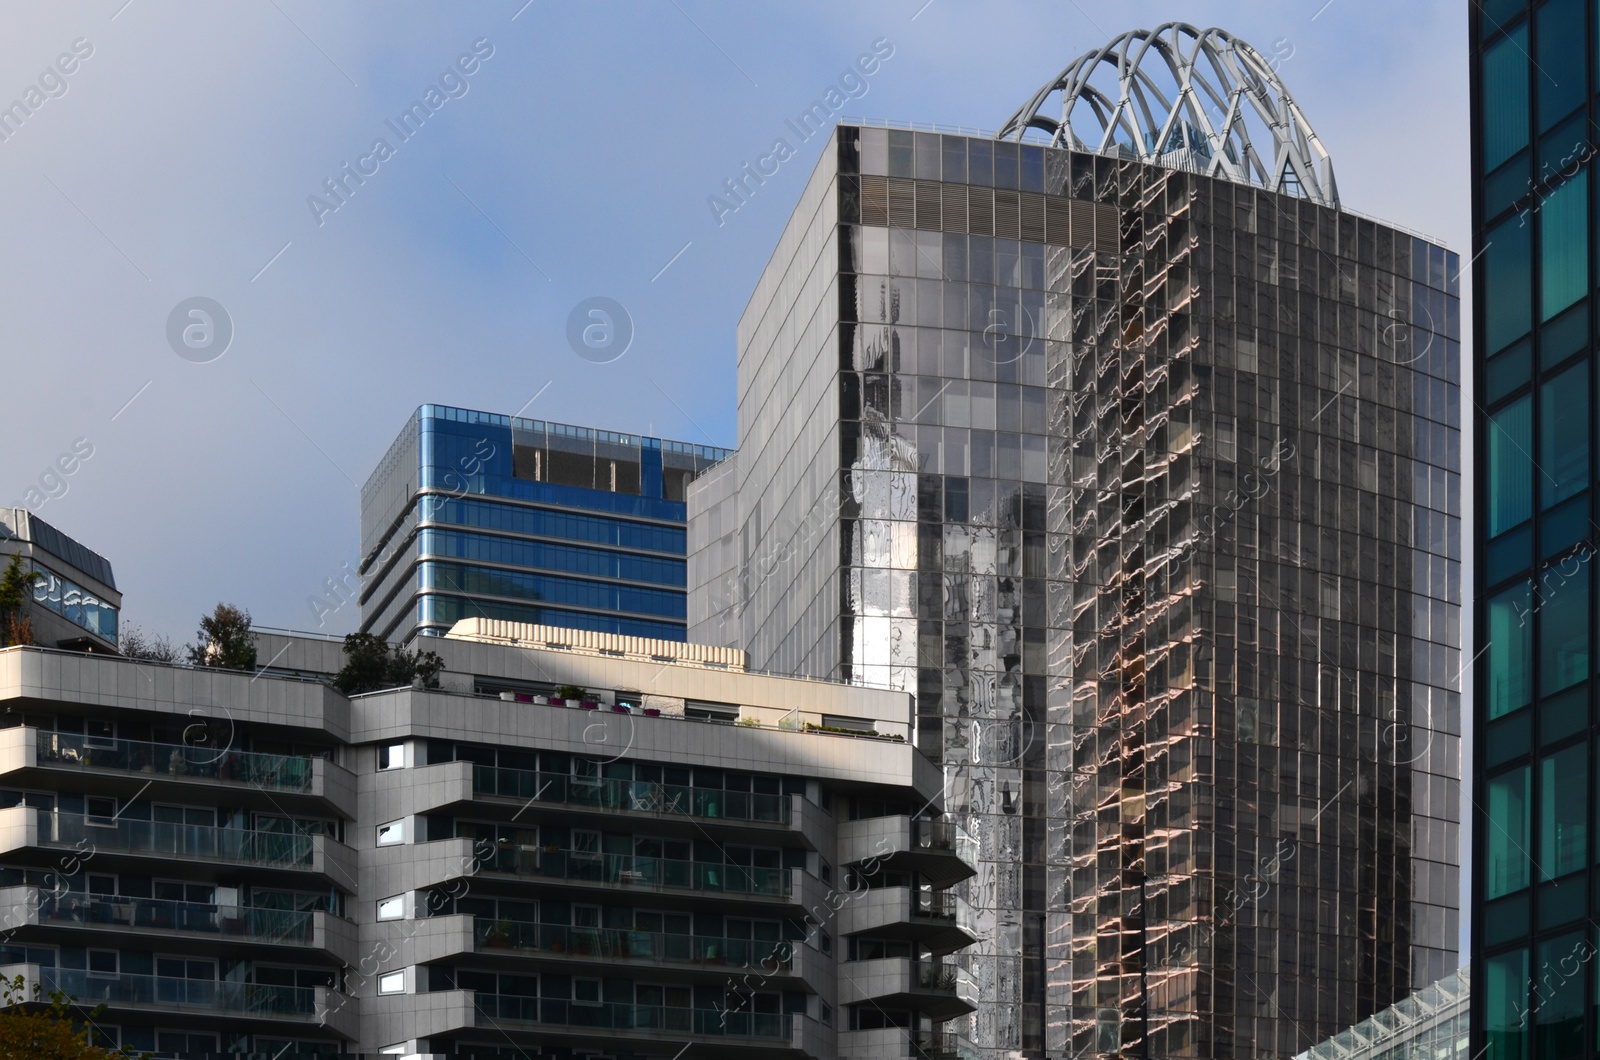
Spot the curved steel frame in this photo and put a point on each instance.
(1203, 127)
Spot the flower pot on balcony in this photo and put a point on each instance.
(557, 701)
(587, 705)
(652, 712)
(509, 697)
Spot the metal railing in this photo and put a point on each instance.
(628, 1017)
(267, 925)
(934, 974)
(87, 834)
(216, 995)
(617, 944)
(278, 772)
(938, 905)
(630, 795)
(638, 871)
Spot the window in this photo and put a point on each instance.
(585, 843)
(392, 756)
(586, 916)
(392, 982)
(102, 962)
(586, 991)
(1510, 466)
(1510, 652)
(392, 833)
(1559, 1023)
(1505, 99)
(1564, 436)
(100, 810)
(1563, 813)
(1564, 246)
(1506, 1006)
(1563, 628)
(1508, 287)
(99, 733)
(1561, 45)
(392, 908)
(585, 771)
(1507, 833)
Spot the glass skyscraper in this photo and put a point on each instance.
(479, 515)
(1533, 925)
(1137, 461)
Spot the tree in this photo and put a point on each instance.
(137, 644)
(224, 640)
(16, 589)
(371, 663)
(45, 1027)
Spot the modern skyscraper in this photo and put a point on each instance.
(478, 515)
(1534, 914)
(1136, 457)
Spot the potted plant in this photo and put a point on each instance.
(568, 693)
(499, 934)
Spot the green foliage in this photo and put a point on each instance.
(43, 1026)
(371, 663)
(152, 647)
(571, 692)
(16, 589)
(224, 640)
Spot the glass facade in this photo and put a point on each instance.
(1533, 863)
(1147, 485)
(476, 514)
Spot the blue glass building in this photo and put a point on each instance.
(474, 514)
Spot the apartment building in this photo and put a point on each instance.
(578, 843)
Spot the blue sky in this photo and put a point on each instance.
(579, 162)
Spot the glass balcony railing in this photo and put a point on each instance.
(615, 944)
(86, 834)
(242, 998)
(274, 772)
(637, 871)
(934, 975)
(264, 925)
(630, 795)
(707, 1023)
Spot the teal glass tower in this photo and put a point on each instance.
(1533, 934)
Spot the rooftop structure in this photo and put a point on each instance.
(1194, 99)
(75, 602)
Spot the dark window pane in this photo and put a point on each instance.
(1510, 466)
(1505, 99)
(1564, 435)
(1561, 59)
(1564, 246)
(1508, 284)
(1563, 813)
(1507, 867)
(1510, 653)
(1563, 625)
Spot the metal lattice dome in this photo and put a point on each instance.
(1200, 100)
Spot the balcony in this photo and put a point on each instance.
(301, 1007)
(611, 944)
(739, 815)
(647, 1020)
(175, 771)
(927, 986)
(636, 872)
(203, 926)
(940, 851)
(930, 918)
(631, 796)
(898, 1043)
(83, 837)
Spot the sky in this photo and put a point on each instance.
(177, 157)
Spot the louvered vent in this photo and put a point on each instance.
(874, 200)
(902, 208)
